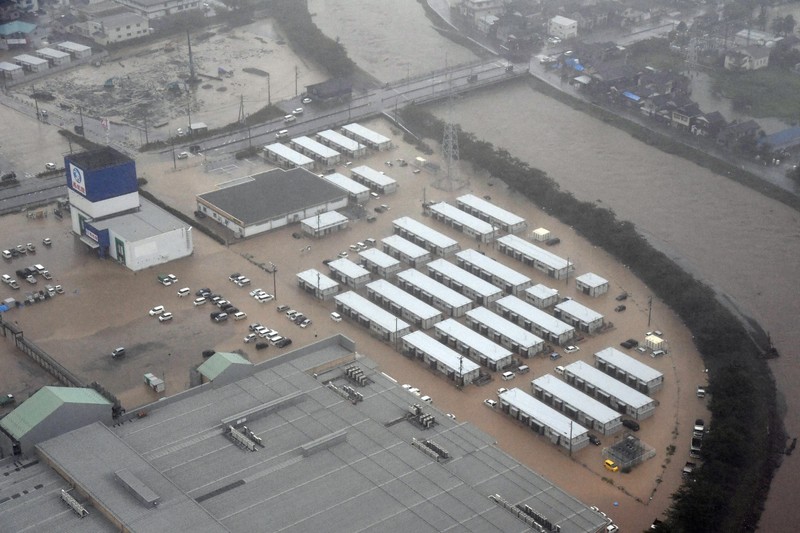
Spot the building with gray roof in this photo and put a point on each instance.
(401, 303)
(575, 404)
(458, 279)
(531, 255)
(469, 225)
(251, 205)
(349, 273)
(544, 420)
(483, 266)
(381, 323)
(379, 262)
(430, 239)
(533, 319)
(579, 316)
(485, 210)
(451, 302)
(314, 456)
(436, 355)
(507, 333)
(608, 390)
(628, 370)
(477, 347)
(317, 284)
(405, 250)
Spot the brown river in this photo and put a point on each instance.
(741, 243)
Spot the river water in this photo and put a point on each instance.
(734, 239)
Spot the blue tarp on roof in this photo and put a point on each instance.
(3, 308)
(16, 27)
(782, 139)
(631, 96)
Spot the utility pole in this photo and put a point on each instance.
(296, 77)
(269, 92)
(189, 112)
(35, 101)
(146, 140)
(174, 161)
(649, 309)
(80, 113)
(241, 110)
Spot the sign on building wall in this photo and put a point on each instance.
(76, 180)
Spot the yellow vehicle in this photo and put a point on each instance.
(611, 465)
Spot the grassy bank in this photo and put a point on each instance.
(739, 454)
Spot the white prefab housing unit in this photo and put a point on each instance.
(654, 342)
(472, 344)
(508, 279)
(382, 324)
(531, 255)
(450, 302)
(31, 63)
(379, 263)
(10, 71)
(468, 224)
(158, 8)
(55, 57)
(357, 193)
(541, 296)
(628, 370)
(315, 282)
(496, 216)
(405, 250)
(458, 279)
(366, 136)
(579, 316)
(608, 390)
(544, 420)
(540, 234)
(376, 181)
(285, 157)
(399, 302)
(575, 404)
(430, 239)
(327, 157)
(591, 284)
(324, 224)
(504, 332)
(435, 354)
(349, 273)
(535, 320)
(343, 144)
(562, 27)
(77, 51)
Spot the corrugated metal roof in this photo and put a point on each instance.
(219, 362)
(42, 404)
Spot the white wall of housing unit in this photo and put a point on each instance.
(544, 420)
(609, 391)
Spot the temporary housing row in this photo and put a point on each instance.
(436, 355)
(504, 332)
(608, 390)
(541, 296)
(376, 181)
(285, 157)
(325, 156)
(406, 251)
(628, 370)
(531, 255)
(382, 324)
(496, 216)
(401, 303)
(450, 302)
(366, 136)
(535, 320)
(472, 344)
(458, 279)
(337, 141)
(495, 272)
(323, 224)
(379, 263)
(349, 273)
(591, 284)
(575, 404)
(315, 282)
(544, 420)
(356, 193)
(467, 224)
(430, 239)
(579, 316)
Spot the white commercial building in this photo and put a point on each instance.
(544, 420)
(579, 316)
(468, 224)
(324, 224)
(541, 296)
(575, 404)
(430, 239)
(379, 262)
(508, 279)
(399, 302)
(160, 8)
(608, 390)
(496, 216)
(376, 181)
(504, 332)
(343, 144)
(591, 284)
(450, 302)
(380, 323)
(562, 27)
(458, 279)
(452, 364)
(405, 250)
(531, 255)
(326, 157)
(315, 282)
(121, 27)
(366, 136)
(535, 320)
(472, 344)
(628, 370)
(357, 193)
(349, 273)
(285, 157)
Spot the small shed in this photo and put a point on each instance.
(654, 342)
(540, 234)
(198, 127)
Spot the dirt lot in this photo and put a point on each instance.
(106, 305)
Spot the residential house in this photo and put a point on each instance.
(475, 10)
(708, 124)
(562, 27)
(683, 116)
(736, 131)
(747, 58)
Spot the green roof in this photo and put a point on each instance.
(219, 362)
(42, 404)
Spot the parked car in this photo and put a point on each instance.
(183, 155)
(281, 308)
(199, 301)
(250, 338)
(47, 241)
(157, 310)
(620, 308)
(610, 465)
(283, 343)
(184, 292)
(306, 100)
(571, 349)
(501, 390)
(118, 352)
(305, 323)
(622, 296)
(297, 111)
(490, 403)
(699, 428)
(164, 317)
(336, 317)
(631, 424)
(630, 343)
(50, 166)
(594, 440)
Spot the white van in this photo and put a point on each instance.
(239, 316)
(183, 292)
(560, 370)
(282, 134)
(508, 376)
(288, 119)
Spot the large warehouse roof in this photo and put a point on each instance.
(272, 194)
(42, 404)
(149, 221)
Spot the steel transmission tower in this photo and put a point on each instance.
(452, 180)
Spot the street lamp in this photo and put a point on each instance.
(273, 270)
